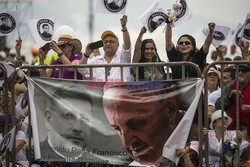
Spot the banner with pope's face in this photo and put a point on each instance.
(111, 123)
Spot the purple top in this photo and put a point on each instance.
(65, 73)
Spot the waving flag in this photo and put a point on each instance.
(220, 34)
(8, 23)
(41, 29)
(180, 11)
(153, 17)
(236, 34)
(245, 31)
(7, 141)
(111, 6)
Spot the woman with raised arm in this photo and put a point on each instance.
(146, 51)
(185, 50)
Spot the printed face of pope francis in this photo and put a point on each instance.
(143, 123)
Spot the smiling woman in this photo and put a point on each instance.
(146, 51)
(186, 51)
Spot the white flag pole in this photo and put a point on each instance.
(18, 31)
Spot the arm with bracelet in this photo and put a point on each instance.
(126, 37)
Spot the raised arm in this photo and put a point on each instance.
(244, 46)
(137, 51)
(168, 37)
(43, 72)
(209, 38)
(221, 52)
(86, 54)
(18, 47)
(61, 55)
(126, 37)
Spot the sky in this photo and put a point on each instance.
(74, 13)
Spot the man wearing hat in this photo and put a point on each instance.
(244, 101)
(67, 49)
(111, 55)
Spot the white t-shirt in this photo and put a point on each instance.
(21, 154)
(121, 56)
(213, 97)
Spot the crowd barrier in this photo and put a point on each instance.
(202, 118)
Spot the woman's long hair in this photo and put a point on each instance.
(155, 58)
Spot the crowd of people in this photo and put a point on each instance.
(223, 124)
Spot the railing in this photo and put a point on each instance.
(108, 66)
(221, 64)
(136, 66)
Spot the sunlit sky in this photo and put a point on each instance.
(75, 14)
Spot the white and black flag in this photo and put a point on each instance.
(236, 34)
(41, 29)
(111, 6)
(245, 31)
(153, 17)
(8, 23)
(7, 141)
(219, 36)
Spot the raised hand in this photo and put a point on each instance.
(124, 20)
(211, 27)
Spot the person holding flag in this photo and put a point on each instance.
(185, 50)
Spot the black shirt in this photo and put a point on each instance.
(199, 58)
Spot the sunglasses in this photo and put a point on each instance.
(184, 42)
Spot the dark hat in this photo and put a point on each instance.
(245, 66)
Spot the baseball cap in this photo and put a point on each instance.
(106, 33)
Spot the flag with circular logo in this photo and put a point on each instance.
(111, 6)
(153, 17)
(7, 141)
(8, 23)
(180, 11)
(41, 29)
(236, 34)
(219, 36)
(245, 31)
